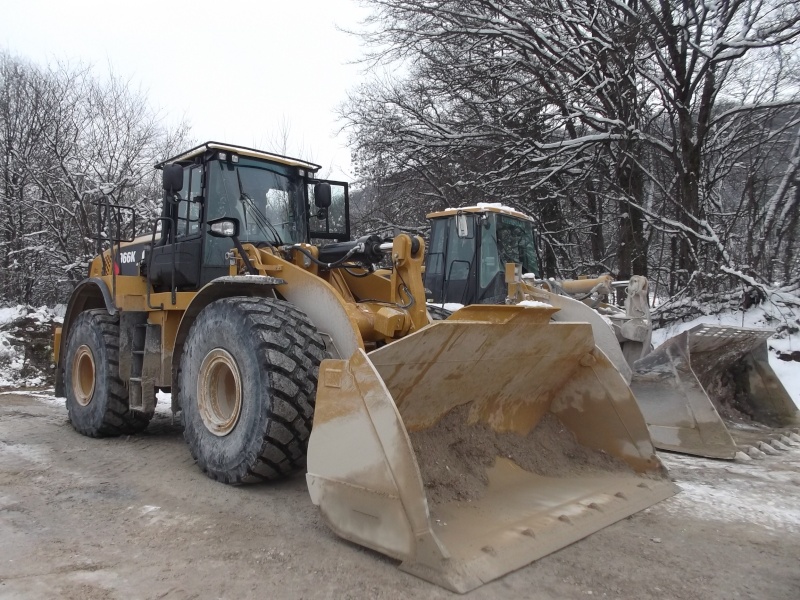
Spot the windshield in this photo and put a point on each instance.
(264, 200)
(449, 266)
(515, 243)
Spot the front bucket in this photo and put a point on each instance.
(479, 444)
(689, 384)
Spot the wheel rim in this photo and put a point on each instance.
(83, 375)
(219, 392)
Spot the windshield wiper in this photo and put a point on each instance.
(261, 218)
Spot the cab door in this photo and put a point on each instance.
(184, 241)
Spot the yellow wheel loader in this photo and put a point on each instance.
(464, 448)
(488, 254)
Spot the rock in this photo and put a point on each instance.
(742, 457)
(786, 440)
(794, 437)
(754, 452)
(778, 445)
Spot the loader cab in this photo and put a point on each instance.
(273, 200)
(468, 251)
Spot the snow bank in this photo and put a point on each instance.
(9, 313)
(25, 345)
(789, 374)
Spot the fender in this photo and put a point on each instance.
(309, 293)
(88, 294)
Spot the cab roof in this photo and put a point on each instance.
(241, 151)
(482, 207)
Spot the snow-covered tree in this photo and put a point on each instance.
(647, 137)
(70, 140)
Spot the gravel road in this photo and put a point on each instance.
(134, 518)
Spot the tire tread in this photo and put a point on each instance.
(289, 349)
(118, 419)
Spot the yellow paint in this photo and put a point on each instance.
(56, 344)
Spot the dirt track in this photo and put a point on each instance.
(134, 518)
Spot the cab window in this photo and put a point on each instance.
(515, 243)
(188, 209)
(334, 225)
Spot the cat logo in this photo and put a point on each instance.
(127, 257)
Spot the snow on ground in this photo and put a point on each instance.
(43, 314)
(789, 374)
(10, 361)
(164, 402)
(43, 396)
(47, 396)
(765, 492)
(766, 315)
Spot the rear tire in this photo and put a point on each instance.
(248, 380)
(97, 399)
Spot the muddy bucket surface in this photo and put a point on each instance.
(479, 444)
(690, 384)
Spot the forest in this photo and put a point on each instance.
(68, 140)
(645, 137)
(656, 138)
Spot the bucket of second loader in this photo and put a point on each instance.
(478, 444)
(694, 382)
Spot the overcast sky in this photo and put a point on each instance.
(234, 70)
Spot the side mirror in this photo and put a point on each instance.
(226, 227)
(322, 195)
(172, 178)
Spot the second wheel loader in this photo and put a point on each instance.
(249, 302)
(684, 387)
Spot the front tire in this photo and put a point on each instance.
(97, 399)
(248, 380)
